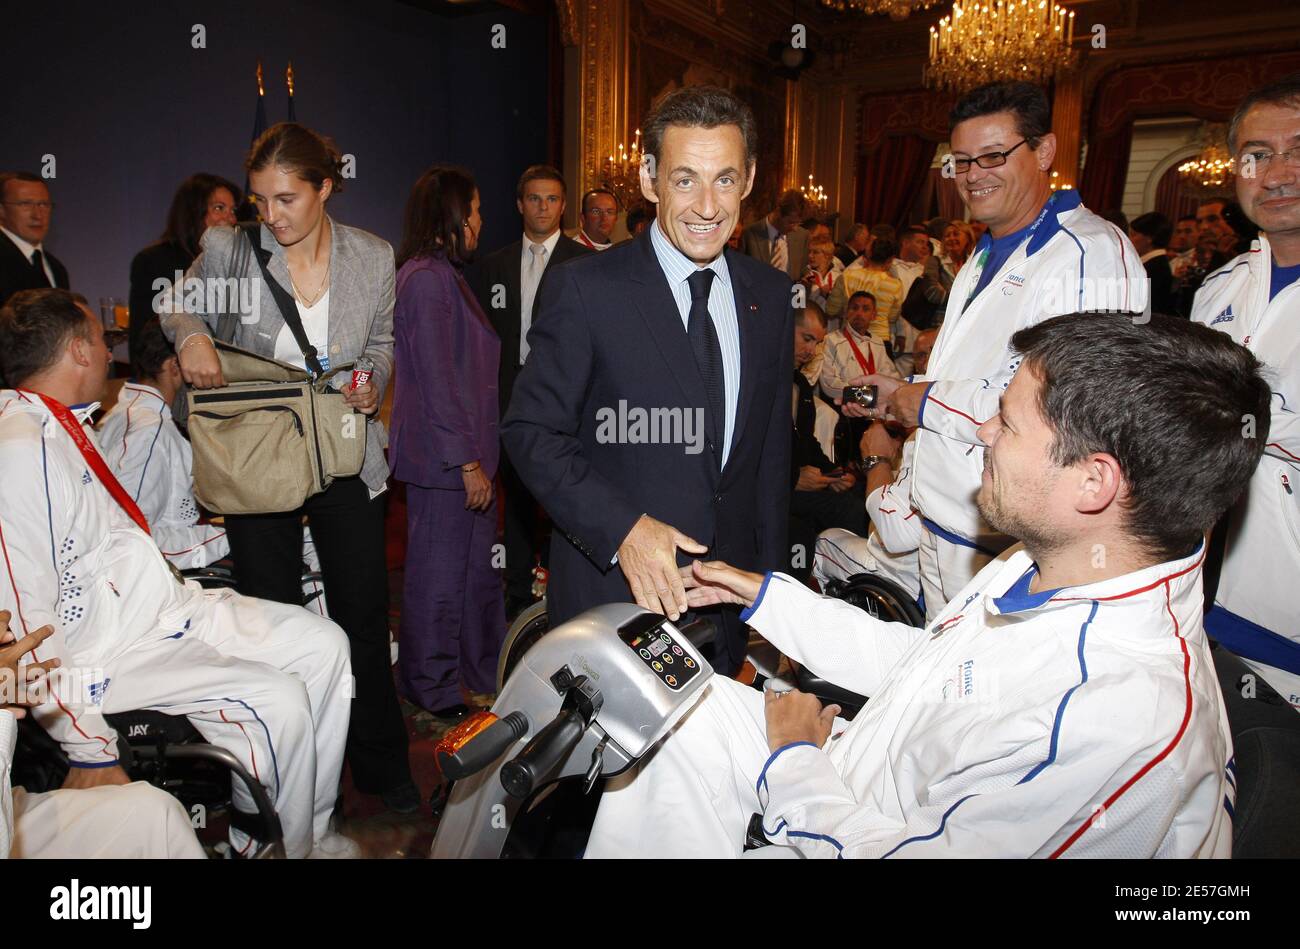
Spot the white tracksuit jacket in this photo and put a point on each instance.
(75, 560)
(269, 682)
(1073, 261)
(1257, 609)
(154, 462)
(889, 549)
(1084, 722)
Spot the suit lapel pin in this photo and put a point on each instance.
(753, 308)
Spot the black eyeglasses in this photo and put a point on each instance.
(987, 160)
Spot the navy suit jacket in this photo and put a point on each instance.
(608, 330)
(16, 270)
(501, 269)
(445, 354)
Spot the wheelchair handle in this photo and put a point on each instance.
(531, 767)
(485, 747)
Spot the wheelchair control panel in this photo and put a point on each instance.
(648, 637)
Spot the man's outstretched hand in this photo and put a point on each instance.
(648, 558)
(709, 583)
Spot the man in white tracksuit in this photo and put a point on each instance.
(128, 822)
(1064, 704)
(889, 550)
(270, 683)
(1255, 299)
(1044, 255)
(153, 461)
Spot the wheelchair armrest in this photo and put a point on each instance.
(850, 703)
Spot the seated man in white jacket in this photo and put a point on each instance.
(269, 682)
(1064, 704)
(123, 822)
(889, 549)
(153, 460)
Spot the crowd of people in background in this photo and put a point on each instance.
(924, 311)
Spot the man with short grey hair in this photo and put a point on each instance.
(1253, 298)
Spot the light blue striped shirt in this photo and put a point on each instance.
(722, 308)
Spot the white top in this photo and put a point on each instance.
(26, 250)
(1257, 585)
(316, 324)
(154, 463)
(1074, 262)
(1084, 722)
(78, 562)
(526, 298)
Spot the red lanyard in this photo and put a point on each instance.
(869, 363)
(94, 459)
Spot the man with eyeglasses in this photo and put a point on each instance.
(25, 212)
(599, 214)
(1254, 299)
(1045, 254)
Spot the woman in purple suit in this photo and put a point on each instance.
(445, 447)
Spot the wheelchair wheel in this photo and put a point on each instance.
(883, 599)
(529, 626)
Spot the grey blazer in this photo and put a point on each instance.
(755, 242)
(360, 308)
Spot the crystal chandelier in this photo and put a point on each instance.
(1209, 173)
(981, 42)
(897, 9)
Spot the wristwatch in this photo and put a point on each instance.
(871, 461)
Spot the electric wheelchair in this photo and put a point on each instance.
(584, 702)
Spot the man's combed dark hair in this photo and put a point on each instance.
(1026, 101)
(540, 173)
(1181, 407)
(1154, 225)
(34, 327)
(150, 351)
(1284, 91)
(700, 107)
(8, 176)
(436, 212)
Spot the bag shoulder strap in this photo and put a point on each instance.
(288, 309)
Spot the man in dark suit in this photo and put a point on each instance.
(506, 284)
(652, 419)
(779, 238)
(1150, 234)
(25, 212)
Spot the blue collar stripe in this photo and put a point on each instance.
(952, 538)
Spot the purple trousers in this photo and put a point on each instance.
(453, 611)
